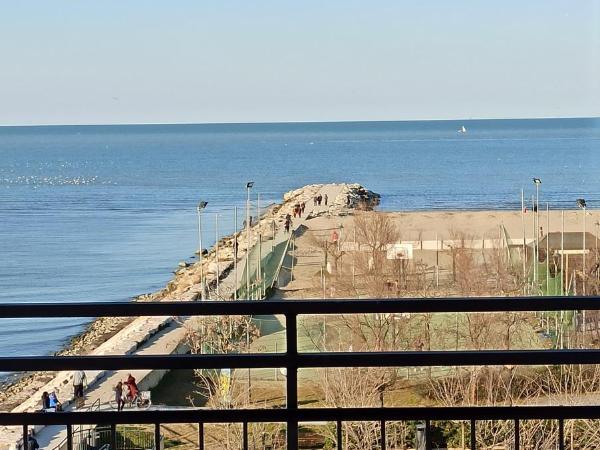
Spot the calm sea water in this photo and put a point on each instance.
(103, 213)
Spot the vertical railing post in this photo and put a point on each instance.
(157, 436)
(291, 336)
(427, 434)
(25, 437)
(69, 437)
(517, 435)
(561, 434)
(473, 435)
(200, 436)
(113, 436)
(383, 439)
(338, 431)
(245, 435)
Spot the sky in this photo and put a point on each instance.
(114, 61)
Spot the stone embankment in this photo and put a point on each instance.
(186, 283)
(110, 336)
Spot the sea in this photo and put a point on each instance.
(105, 213)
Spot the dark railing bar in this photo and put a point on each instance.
(561, 434)
(113, 435)
(339, 439)
(383, 435)
(69, 437)
(25, 436)
(157, 436)
(473, 434)
(427, 434)
(245, 435)
(305, 415)
(517, 435)
(291, 365)
(200, 436)
(116, 362)
(450, 358)
(297, 307)
(304, 360)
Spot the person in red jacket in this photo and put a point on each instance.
(133, 388)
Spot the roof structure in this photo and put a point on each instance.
(573, 240)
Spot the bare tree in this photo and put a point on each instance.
(226, 388)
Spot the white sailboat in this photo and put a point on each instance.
(462, 129)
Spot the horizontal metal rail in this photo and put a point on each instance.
(305, 360)
(305, 415)
(297, 307)
(293, 360)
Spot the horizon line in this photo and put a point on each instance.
(292, 122)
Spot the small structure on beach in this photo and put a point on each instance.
(569, 243)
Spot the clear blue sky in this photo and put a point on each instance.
(261, 61)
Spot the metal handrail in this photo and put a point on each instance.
(292, 360)
(95, 406)
(298, 307)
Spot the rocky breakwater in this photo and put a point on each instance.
(186, 283)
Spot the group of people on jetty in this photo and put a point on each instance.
(320, 199)
(125, 392)
(50, 402)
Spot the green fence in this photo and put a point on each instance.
(127, 438)
(255, 283)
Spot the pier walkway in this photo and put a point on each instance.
(273, 248)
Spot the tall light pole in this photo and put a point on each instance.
(537, 183)
(199, 209)
(249, 185)
(235, 252)
(581, 204)
(597, 223)
(217, 251)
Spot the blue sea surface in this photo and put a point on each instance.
(104, 213)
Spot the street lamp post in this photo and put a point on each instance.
(249, 185)
(200, 207)
(597, 223)
(537, 183)
(581, 204)
(235, 252)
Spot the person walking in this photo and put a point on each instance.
(32, 443)
(79, 379)
(54, 402)
(45, 401)
(133, 387)
(119, 396)
(288, 223)
(302, 206)
(325, 199)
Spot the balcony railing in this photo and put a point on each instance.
(292, 360)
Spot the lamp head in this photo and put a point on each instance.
(581, 203)
(537, 181)
(249, 184)
(202, 205)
